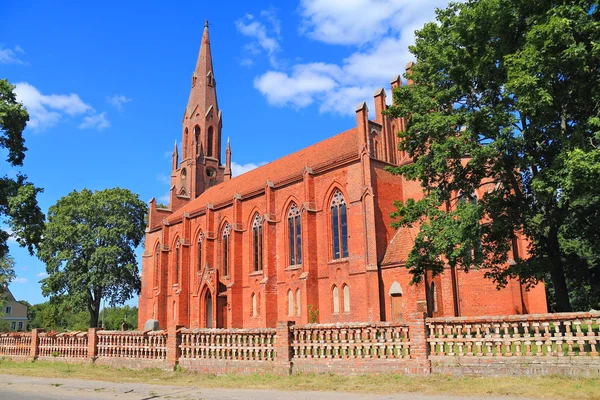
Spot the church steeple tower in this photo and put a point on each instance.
(200, 166)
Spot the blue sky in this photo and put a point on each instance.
(106, 84)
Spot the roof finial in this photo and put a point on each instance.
(206, 23)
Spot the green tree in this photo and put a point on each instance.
(114, 317)
(19, 209)
(506, 101)
(88, 248)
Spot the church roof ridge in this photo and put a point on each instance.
(335, 147)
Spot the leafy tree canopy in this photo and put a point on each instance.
(88, 248)
(19, 209)
(506, 104)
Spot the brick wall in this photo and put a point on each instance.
(534, 344)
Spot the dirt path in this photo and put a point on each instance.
(23, 387)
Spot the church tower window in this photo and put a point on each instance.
(257, 236)
(294, 235)
(339, 226)
(209, 146)
(197, 139)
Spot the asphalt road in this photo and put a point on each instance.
(31, 388)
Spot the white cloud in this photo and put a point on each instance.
(163, 178)
(95, 121)
(265, 36)
(117, 101)
(166, 198)
(9, 56)
(20, 280)
(46, 110)
(239, 169)
(42, 275)
(380, 31)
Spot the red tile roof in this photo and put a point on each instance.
(400, 246)
(329, 151)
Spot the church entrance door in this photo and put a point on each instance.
(397, 307)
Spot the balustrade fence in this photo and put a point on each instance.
(566, 343)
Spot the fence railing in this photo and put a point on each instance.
(360, 340)
(228, 344)
(541, 335)
(133, 344)
(15, 344)
(69, 345)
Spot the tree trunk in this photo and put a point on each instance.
(93, 318)
(561, 293)
(557, 273)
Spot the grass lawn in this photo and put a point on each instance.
(558, 387)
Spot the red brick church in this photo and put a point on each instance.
(306, 237)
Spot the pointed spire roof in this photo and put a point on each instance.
(203, 93)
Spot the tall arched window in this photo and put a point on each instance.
(295, 235)
(257, 238)
(209, 150)
(185, 143)
(346, 292)
(254, 307)
(197, 138)
(157, 265)
(177, 256)
(298, 302)
(225, 248)
(290, 302)
(473, 251)
(336, 300)
(199, 252)
(339, 226)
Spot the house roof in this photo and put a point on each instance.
(400, 246)
(327, 152)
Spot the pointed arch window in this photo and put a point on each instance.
(336, 299)
(185, 143)
(346, 293)
(177, 260)
(298, 302)
(294, 235)
(225, 249)
(199, 252)
(197, 139)
(157, 265)
(209, 149)
(290, 302)
(257, 239)
(473, 252)
(339, 226)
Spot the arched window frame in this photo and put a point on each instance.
(177, 261)
(210, 140)
(185, 143)
(339, 226)
(257, 242)
(346, 298)
(298, 302)
(335, 295)
(198, 139)
(225, 249)
(254, 302)
(294, 235)
(290, 299)
(472, 253)
(157, 265)
(199, 252)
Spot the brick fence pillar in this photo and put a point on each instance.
(419, 348)
(34, 351)
(173, 342)
(283, 347)
(92, 344)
